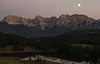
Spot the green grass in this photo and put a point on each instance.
(9, 47)
(1, 62)
(5, 61)
(82, 45)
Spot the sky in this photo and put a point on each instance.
(48, 8)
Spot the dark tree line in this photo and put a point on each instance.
(59, 46)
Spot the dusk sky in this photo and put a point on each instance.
(48, 8)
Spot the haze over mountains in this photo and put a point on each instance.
(46, 27)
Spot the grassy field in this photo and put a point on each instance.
(82, 45)
(15, 60)
(10, 48)
(5, 61)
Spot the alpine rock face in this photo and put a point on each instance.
(46, 27)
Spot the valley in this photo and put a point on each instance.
(75, 45)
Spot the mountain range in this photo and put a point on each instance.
(47, 27)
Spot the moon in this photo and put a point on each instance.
(79, 5)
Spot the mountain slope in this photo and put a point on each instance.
(21, 30)
(46, 27)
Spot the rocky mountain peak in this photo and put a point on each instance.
(40, 22)
(11, 19)
(49, 26)
(64, 16)
(39, 19)
(81, 18)
(53, 17)
(64, 19)
(75, 19)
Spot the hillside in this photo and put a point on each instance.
(71, 45)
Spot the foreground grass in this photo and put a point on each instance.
(82, 45)
(7, 61)
(15, 60)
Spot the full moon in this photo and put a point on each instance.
(79, 5)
